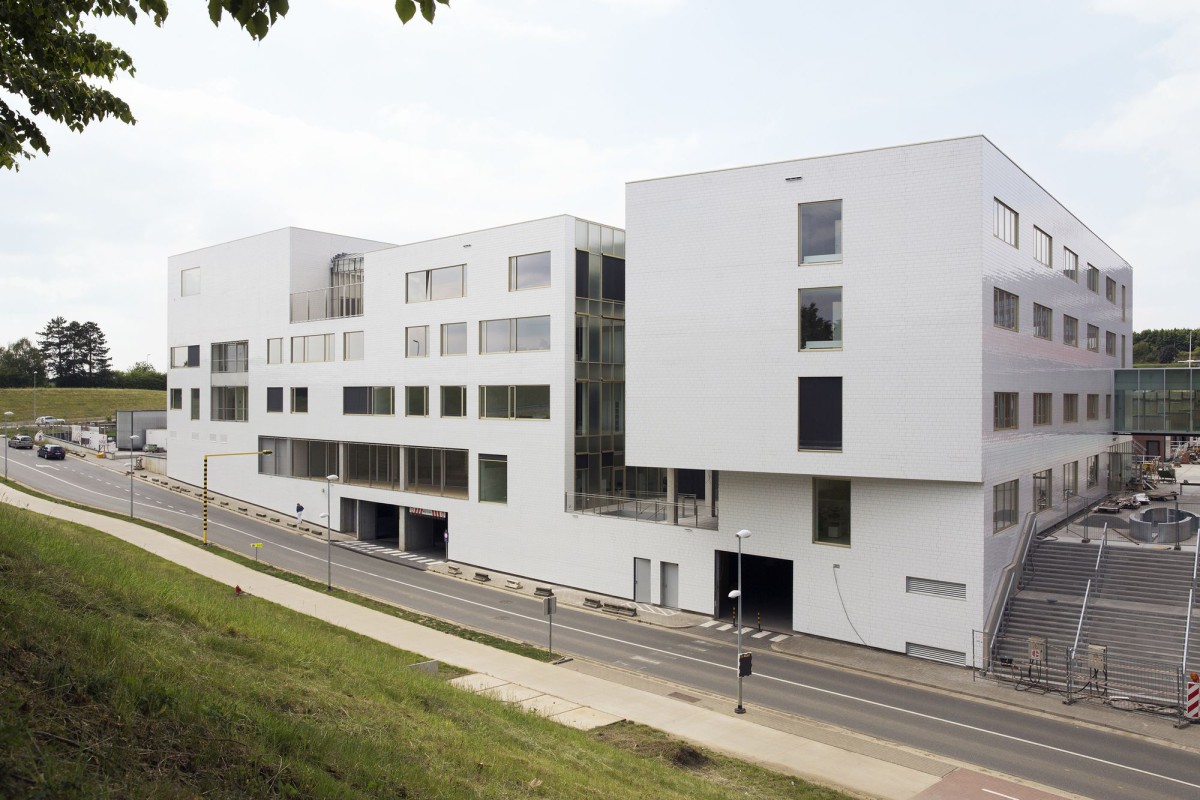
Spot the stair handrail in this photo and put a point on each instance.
(1082, 613)
(1187, 631)
(1100, 554)
(1008, 577)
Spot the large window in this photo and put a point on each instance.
(229, 403)
(298, 458)
(275, 399)
(445, 283)
(1043, 246)
(1093, 338)
(375, 465)
(1093, 279)
(1070, 408)
(1070, 484)
(1004, 223)
(369, 400)
(195, 404)
(189, 282)
(1093, 471)
(312, 349)
(299, 399)
(231, 357)
(821, 318)
(1110, 290)
(1004, 411)
(493, 478)
(416, 401)
(177, 399)
(821, 232)
(275, 351)
(454, 401)
(454, 339)
(1110, 343)
(1004, 505)
(187, 355)
(1041, 489)
(1043, 322)
(831, 511)
(1093, 406)
(433, 470)
(1042, 414)
(1005, 309)
(353, 346)
(514, 402)
(514, 335)
(820, 414)
(416, 340)
(1070, 264)
(1070, 331)
(529, 271)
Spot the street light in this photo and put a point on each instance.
(7, 416)
(329, 479)
(133, 440)
(217, 455)
(736, 596)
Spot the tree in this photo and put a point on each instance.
(91, 354)
(48, 59)
(21, 365)
(141, 375)
(1167, 354)
(56, 350)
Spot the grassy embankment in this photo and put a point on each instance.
(125, 676)
(77, 405)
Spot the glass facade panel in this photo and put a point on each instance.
(447, 283)
(494, 336)
(416, 341)
(1004, 309)
(532, 271)
(831, 511)
(821, 318)
(454, 339)
(821, 232)
(493, 478)
(1005, 505)
(820, 413)
(533, 333)
(454, 401)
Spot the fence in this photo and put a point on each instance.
(685, 510)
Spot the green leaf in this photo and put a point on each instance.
(279, 8)
(406, 10)
(214, 11)
(428, 7)
(259, 25)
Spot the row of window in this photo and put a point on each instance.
(1006, 314)
(1006, 409)
(531, 271)
(1006, 228)
(1006, 496)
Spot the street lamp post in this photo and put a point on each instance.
(329, 479)
(736, 596)
(7, 417)
(205, 493)
(133, 440)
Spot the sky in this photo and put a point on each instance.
(344, 120)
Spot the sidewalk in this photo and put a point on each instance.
(856, 764)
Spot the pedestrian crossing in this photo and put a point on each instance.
(753, 633)
(379, 551)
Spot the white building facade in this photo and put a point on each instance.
(853, 351)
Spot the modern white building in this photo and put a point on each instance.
(881, 362)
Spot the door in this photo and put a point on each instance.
(641, 580)
(669, 590)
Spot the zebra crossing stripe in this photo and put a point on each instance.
(761, 634)
(725, 627)
(780, 637)
(708, 624)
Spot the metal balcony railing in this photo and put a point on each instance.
(329, 303)
(685, 510)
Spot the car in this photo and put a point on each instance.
(20, 442)
(49, 421)
(52, 452)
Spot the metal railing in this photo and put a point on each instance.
(329, 303)
(686, 510)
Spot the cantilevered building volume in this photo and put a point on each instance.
(880, 363)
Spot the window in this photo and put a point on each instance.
(1004, 505)
(1004, 411)
(275, 351)
(820, 414)
(189, 282)
(353, 346)
(369, 400)
(1070, 408)
(229, 403)
(1093, 406)
(230, 357)
(521, 334)
(1108, 406)
(493, 478)
(416, 341)
(1042, 246)
(454, 339)
(514, 402)
(1070, 331)
(1093, 338)
(416, 401)
(821, 232)
(300, 458)
(528, 272)
(195, 404)
(831, 511)
(1110, 290)
(1093, 471)
(1070, 264)
(1004, 309)
(1093, 279)
(1110, 343)
(177, 399)
(1004, 223)
(433, 470)
(1070, 485)
(1122, 302)
(454, 401)
(1122, 351)
(821, 318)
(445, 283)
(312, 349)
(275, 399)
(299, 399)
(187, 355)
(1041, 489)
(1043, 322)
(1042, 414)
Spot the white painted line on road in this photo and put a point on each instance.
(645, 660)
(745, 630)
(761, 634)
(708, 624)
(725, 627)
(1005, 796)
(780, 637)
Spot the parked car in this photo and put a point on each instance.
(52, 452)
(49, 421)
(20, 442)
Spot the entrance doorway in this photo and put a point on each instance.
(766, 590)
(425, 531)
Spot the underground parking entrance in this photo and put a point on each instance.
(766, 590)
(415, 530)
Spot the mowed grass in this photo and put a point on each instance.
(77, 405)
(123, 676)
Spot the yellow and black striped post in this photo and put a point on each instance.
(205, 500)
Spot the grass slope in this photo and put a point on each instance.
(78, 405)
(123, 676)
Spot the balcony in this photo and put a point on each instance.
(684, 511)
(333, 302)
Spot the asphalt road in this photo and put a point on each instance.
(1059, 753)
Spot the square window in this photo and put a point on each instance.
(1004, 223)
(1043, 246)
(820, 414)
(821, 232)
(494, 336)
(417, 341)
(1004, 411)
(1043, 322)
(454, 401)
(493, 478)
(821, 318)
(454, 339)
(299, 399)
(1070, 331)
(1004, 309)
(1004, 505)
(416, 401)
(831, 511)
(1042, 414)
(529, 271)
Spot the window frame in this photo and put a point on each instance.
(822, 531)
(1070, 331)
(354, 349)
(189, 282)
(416, 401)
(275, 350)
(308, 345)
(835, 323)
(1006, 223)
(514, 265)
(1093, 338)
(419, 334)
(447, 391)
(490, 458)
(821, 258)
(1043, 322)
(1005, 304)
(1010, 493)
(428, 281)
(1006, 408)
(1093, 407)
(185, 356)
(827, 418)
(298, 400)
(175, 398)
(1070, 408)
(1071, 268)
(513, 335)
(274, 399)
(1093, 279)
(1043, 247)
(1043, 408)
(1110, 290)
(445, 328)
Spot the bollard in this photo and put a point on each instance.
(760, 621)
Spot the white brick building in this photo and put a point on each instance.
(478, 384)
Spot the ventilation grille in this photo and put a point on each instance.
(938, 588)
(935, 654)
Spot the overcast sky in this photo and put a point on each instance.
(344, 120)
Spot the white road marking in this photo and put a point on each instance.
(725, 627)
(1005, 796)
(708, 624)
(761, 634)
(780, 637)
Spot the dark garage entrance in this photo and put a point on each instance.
(424, 530)
(766, 590)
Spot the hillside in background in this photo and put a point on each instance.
(1165, 345)
(77, 405)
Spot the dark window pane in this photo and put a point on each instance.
(356, 400)
(821, 232)
(275, 398)
(820, 418)
(581, 273)
(613, 283)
